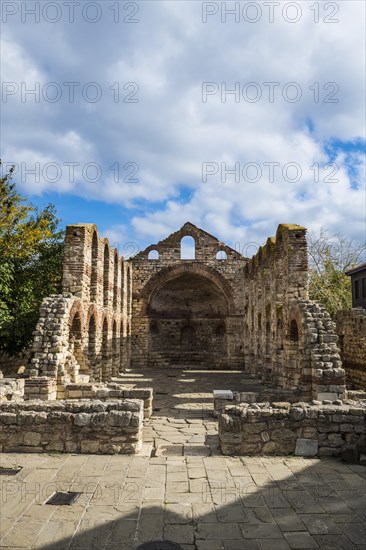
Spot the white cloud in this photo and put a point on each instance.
(170, 132)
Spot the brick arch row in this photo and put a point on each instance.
(99, 341)
(110, 276)
(286, 346)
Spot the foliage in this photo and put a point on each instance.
(31, 251)
(330, 256)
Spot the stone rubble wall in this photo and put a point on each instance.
(266, 396)
(329, 428)
(109, 427)
(355, 395)
(51, 355)
(351, 328)
(11, 389)
(108, 392)
(290, 341)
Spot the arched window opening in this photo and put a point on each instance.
(105, 340)
(114, 337)
(259, 341)
(115, 281)
(129, 297)
(121, 346)
(153, 255)
(105, 351)
(341, 343)
(188, 337)
(220, 330)
(106, 276)
(115, 351)
(268, 348)
(75, 341)
(294, 331)
(94, 269)
(279, 334)
(187, 248)
(92, 340)
(154, 328)
(221, 255)
(122, 284)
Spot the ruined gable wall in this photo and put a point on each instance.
(150, 274)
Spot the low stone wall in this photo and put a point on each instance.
(351, 328)
(109, 427)
(40, 387)
(356, 395)
(110, 391)
(306, 429)
(11, 389)
(221, 399)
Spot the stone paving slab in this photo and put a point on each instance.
(134, 499)
(180, 487)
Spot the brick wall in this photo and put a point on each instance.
(351, 328)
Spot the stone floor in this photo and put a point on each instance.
(181, 489)
(182, 422)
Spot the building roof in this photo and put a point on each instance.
(356, 269)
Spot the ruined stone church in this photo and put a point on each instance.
(215, 309)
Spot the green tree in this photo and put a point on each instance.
(31, 253)
(330, 256)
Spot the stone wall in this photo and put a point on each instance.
(322, 429)
(289, 341)
(85, 330)
(11, 389)
(108, 427)
(215, 309)
(188, 311)
(110, 391)
(351, 328)
(224, 398)
(40, 387)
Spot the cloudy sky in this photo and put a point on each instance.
(140, 116)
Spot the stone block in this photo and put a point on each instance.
(32, 439)
(223, 394)
(82, 419)
(306, 447)
(324, 396)
(89, 446)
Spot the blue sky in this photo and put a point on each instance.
(149, 114)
